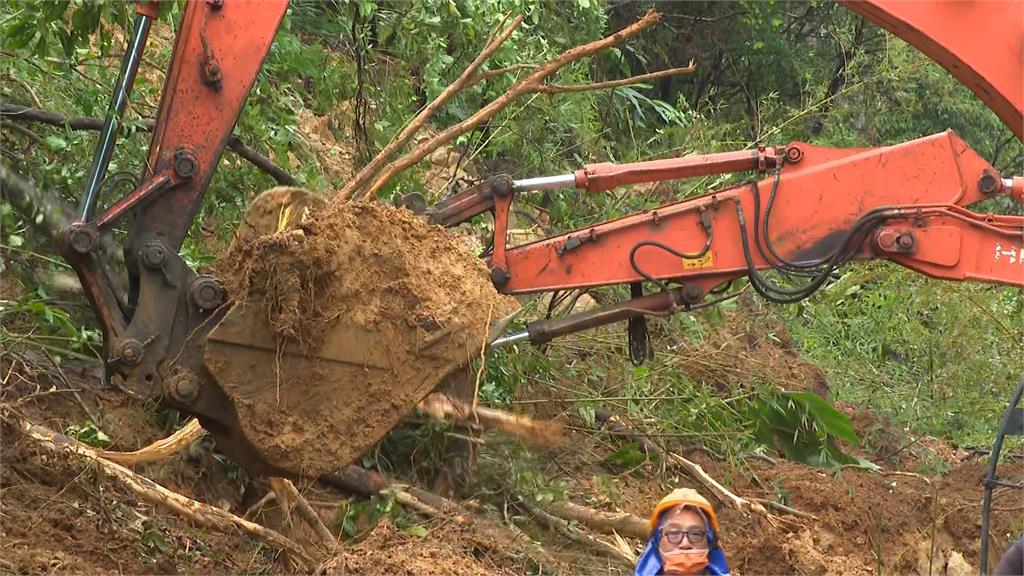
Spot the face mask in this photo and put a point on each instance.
(685, 562)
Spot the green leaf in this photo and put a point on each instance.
(15, 241)
(416, 530)
(587, 413)
(54, 142)
(629, 456)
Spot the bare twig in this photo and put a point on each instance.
(36, 138)
(255, 508)
(18, 113)
(64, 379)
(287, 492)
(640, 78)
(721, 492)
(24, 86)
(783, 508)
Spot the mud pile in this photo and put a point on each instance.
(343, 320)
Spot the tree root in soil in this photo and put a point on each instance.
(148, 490)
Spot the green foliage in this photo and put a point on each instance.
(56, 327)
(153, 540)
(803, 427)
(939, 358)
(88, 433)
(41, 26)
(628, 457)
(353, 517)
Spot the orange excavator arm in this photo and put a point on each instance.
(813, 209)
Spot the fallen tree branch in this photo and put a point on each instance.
(622, 523)
(15, 112)
(444, 407)
(721, 492)
(638, 79)
(148, 490)
(54, 213)
(593, 542)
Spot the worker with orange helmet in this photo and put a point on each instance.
(684, 538)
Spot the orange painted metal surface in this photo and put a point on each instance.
(919, 185)
(218, 53)
(980, 42)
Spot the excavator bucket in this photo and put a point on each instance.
(399, 306)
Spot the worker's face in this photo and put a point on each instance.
(683, 529)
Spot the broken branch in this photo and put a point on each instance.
(464, 80)
(555, 523)
(443, 407)
(287, 492)
(491, 535)
(694, 470)
(161, 449)
(640, 78)
(622, 523)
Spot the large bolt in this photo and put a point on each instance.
(887, 239)
(502, 185)
(988, 183)
(183, 387)
(905, 241)
(82, 238)
(130, 351)
(206, 292)
(794, 154)
(185, 164)
(692, 294)
(154, 254)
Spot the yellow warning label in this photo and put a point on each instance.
(704, 261)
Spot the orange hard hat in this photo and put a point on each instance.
(684, 497)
